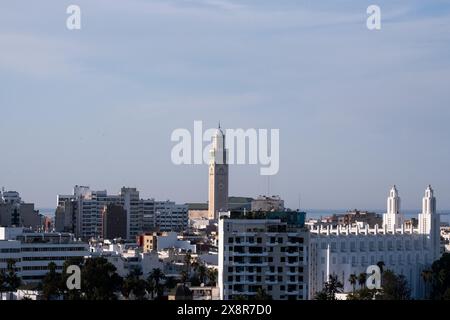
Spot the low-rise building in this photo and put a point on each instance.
(33, 251)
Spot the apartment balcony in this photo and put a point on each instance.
(292, 254)
(256, 254)
(271, 282)
(291, 293)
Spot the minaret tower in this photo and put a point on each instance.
(218, 176)
(429, 222)
(393, 219)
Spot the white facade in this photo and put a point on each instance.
(343, 251)
(81, 213)
(170, 240)
(262, 253)
(33, 251)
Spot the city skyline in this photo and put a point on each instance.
(358, 111)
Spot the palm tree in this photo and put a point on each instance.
(156, 276)
(427, 276)
(262, 295)
(381, 265)
(184, 276)
(3, 286)
(353, 279)
(212, 276)
(362, 279)
(188, 261)
(150, 287)
(202, 273)
(331, 288)
(12, 280)
(52, 283)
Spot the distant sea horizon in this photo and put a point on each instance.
(319, 213)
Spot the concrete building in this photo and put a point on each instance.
(82, 213)
(114, 222)
(15, 212)
(198, 211)
(346, 250)
(266, 204)
(33, 251)
(218, 176)
(170, 216)
(267, 253)
(160, 241)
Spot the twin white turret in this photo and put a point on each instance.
(393, 218)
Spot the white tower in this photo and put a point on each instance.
(393, 219)
(218, 176)
(429, 222)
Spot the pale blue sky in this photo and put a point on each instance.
(357, 110)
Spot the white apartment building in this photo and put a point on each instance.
(346, 250)
(262, 253)
(81, 213)
(33, 251)
(169, 216)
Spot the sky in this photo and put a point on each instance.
(357, 110)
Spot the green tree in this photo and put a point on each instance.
(171, 283)
(188, 261)
(202, 271)
(394, 287)
(427, 277)
(52, 283)
(363, 294)
(212, 275)
(353, 279)
(261, 294)
(99, 280)
(362, 279)
(3, 285)
(331, 288)
(12, 280)
(157, 276)
(381, 265)
(441, 278)
(184, 276)
(74, 294)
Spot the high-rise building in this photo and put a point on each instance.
(15, 212)
(269, 254)
(218, 176)
(82, 213)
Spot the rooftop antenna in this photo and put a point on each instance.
(268, 186)
(299, 202)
